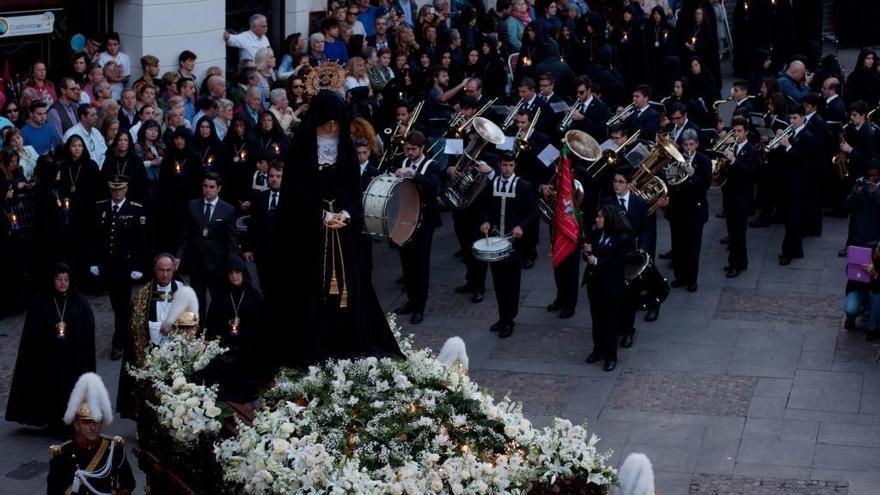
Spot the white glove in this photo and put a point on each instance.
(94, 270)
(136, 275)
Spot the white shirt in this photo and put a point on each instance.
(364, 166)
(830, 99)
(121, 59)
(213, 204)
(247, 44)
(94, 142)
(625, 199)
(162, 308)
(118, 205)
(358, 28)
(277, 196)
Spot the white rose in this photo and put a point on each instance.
(179, 381)
(192, 402)
(436, 484)
(176, 423)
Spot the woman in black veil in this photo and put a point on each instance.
(323, 294)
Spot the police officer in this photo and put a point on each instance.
(118, 253)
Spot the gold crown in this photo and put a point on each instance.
(329, 75)
(84, 412)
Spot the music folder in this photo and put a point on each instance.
(856, 256)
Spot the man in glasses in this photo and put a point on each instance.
(590, 114)
(351, 18)
(62, 114)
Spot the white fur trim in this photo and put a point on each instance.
(184, 299)
(636, 475)
(90, 388)
(454, 350)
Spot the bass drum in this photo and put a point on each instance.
(645, 280)
(391, 209)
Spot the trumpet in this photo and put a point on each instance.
(777, 141)
(621, 115)
(841, 158)
(569, 117)
(521, 141)
(395, 143)
(508, 122)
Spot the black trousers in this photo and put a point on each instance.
(606, 312)
(531, 238)
(506, 277)
(737, 222)
(813, 209)
(202, 284)
(567, 276)
(687, 241)
(792, 243)
(769, 177)
(628, 307)
(467, 231)
(117, 279)
(415, 259)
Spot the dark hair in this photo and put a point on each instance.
(583, 81)
(507, 156)
(361, 143)
(83, 110)
(624, 171)
(276, 165)
(437, 70)
(835, 85)
(526, 82)
(206, 103)
(644, 89)
(740, 121)
(619, 127)
(615, 220)
(678, 107)
(37, 104)
(291, 41)
(328, 23)
(796, 109)
(415, 138)
(186, 55)
(547, 77)
(245, 75)
(813, 99)
(141, 109)
(214, 176)
(741, 85)
(112, 36)
(859, 107)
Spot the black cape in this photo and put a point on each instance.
(47, 367)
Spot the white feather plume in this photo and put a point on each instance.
(636, 475)
(184, 300)
(454, 350)
(90, 388)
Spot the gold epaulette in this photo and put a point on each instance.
(55, 450)
(135, 203)
(119, 441)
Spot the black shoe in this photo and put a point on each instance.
(464, 289)
(417, 318)
(496, 326)
(405, 309)
(610, 365)
(720, 214)
(506, 330)
(477, 297)
(400, 280)
(733, 273)
(784, 260)
(554, 306)
(675, 284)
(850, 323)
(566, 313)
(726, 240)
(841, 253)
(652, 314)
(692, 287)
(726, 268)
(528, 264)
(116, 355)
(626, 341)
(759, 223)
(665, 256)
(872, 336)
(459, 253)
(593, 357)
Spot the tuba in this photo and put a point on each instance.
(611, 158)
(840, 162)
(652, 191)
(469, 181)
(584, 147)
(664, 157)
(720, 164)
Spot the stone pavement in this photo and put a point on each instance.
(749, 385)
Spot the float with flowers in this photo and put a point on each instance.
(365, 426)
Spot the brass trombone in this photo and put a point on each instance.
(621, 115)
(508, 122)
(521, 141)
(397, 136)
(611, 158)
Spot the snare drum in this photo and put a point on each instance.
(642, 277)
(391, 209)
(491, 249)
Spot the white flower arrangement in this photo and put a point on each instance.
(186, 410)
(179, 354)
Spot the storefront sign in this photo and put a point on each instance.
(26, 25)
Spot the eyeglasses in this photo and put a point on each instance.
(12, 110)
(582, 92)
(619, 181)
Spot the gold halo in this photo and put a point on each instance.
(329, 75)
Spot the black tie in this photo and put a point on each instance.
(274, 203)
(504, 186)
(115, 209)
(207, 214)
(622, 203)
(261, 180)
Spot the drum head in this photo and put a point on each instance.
(491, 244)
(402, 212)
(635, 264)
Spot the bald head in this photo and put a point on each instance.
(830, 86)
(796, 70)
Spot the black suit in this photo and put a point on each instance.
(249, 121)
(415, 256)
(835, 111)
(738, 195)
(648, 121)
(747, 104)
(819, 177)
(546, 121)
(127, 123)
(260, 233)
(687, 125)
(206, 247)
(371, 41)
(594, 122)
(605, 288)
(864, 144)
(520, 210)
(798, 162)
(688, 212)
(530, 168)
(119, 249)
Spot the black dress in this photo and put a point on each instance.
(179, 182)
(47, 366)
(325, 325)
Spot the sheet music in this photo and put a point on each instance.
(454, 147)
(548, 155)
(560, 106)
(507, 145)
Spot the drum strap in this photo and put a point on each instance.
(421, 168)
(509, 192)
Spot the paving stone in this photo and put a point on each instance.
(546, 343)
(773, 387)
(779, 452)
(857, 435)
(825, 391)
(540, 394)
(781, 306)
(673, 392)
(779, 429)
(708, 484)
(846, 457)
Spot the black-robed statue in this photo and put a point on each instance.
(326, 302)
(57, 346)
